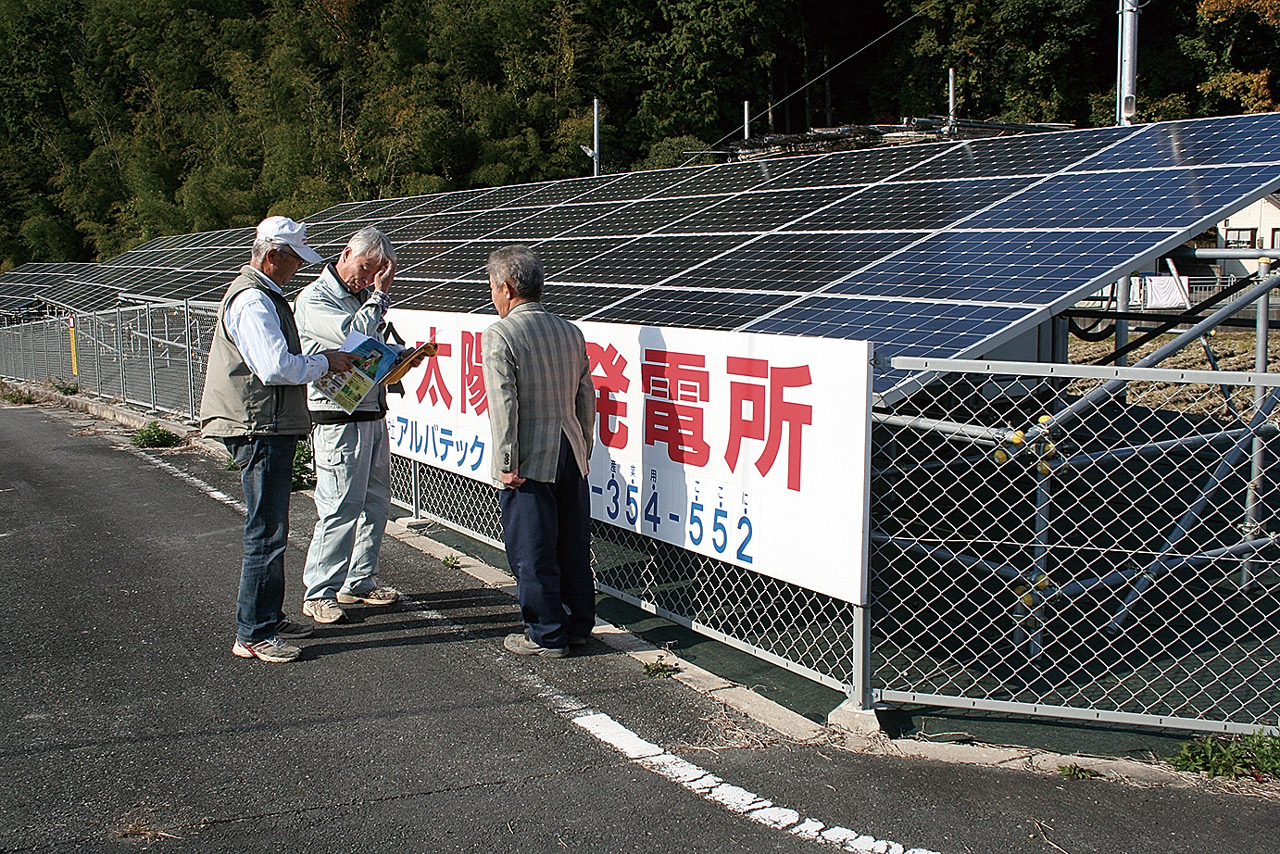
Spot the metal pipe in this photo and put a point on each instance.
(953, 429)
(1127, 83)
(1073, 589)
(595, 136)
(97, 353)
(1122, 326)
(1253, 495)
(1004, 570)
(859, 691)
(746, 120)
(951, 101)
(124, 392)
(151, 362)
(1183, 252)
(1186, 443)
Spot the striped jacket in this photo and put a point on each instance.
(538, 382)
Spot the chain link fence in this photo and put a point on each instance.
(1111, 562)
(1081, 542)
(152, 357)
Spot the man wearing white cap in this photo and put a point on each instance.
(255, 401)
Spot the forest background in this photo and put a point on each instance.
(124, 120)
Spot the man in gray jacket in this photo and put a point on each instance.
(542, 410)
(352, 450)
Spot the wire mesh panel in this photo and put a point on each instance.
(203, 319)
(1107, 556)
(789, 625)
(169, 350)
(135, 351)
(797, 628)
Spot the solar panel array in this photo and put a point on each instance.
(938, 250)
(25, 290)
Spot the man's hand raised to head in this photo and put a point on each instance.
(383, 278)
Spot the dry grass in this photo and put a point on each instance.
(1233, 350)
(727, 729)
(138, 825)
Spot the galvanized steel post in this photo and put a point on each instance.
(124, 392)
(151, 360)
(1257, 473)
(191, 355)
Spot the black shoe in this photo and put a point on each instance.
(290, 630)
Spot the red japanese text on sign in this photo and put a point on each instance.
(608, 374)
(674, 385)
(433, 383)
(472, 376)
(770, 414)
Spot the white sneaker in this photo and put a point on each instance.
(324, 610)
(272, 649)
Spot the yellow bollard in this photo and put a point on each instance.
(75, 362)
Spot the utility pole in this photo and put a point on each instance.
(593, 150)
(951, 102)
(595, 137)
(1126, 109)
(1127, 63)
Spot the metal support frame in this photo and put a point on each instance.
(1034, 592)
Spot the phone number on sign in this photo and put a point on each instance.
(700, 515)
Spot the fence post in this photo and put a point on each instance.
(124, 390)
(151, 360)
(414, 468)
(191, 357)
(97, 354)
(44, 348)
(1254, 499)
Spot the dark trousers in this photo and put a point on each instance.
(266, 473)
(547, 531)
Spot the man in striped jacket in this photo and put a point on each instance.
(542, 409)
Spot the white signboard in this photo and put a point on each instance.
(753, 449)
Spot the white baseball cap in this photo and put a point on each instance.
(285, 232)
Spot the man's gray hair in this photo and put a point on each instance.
(518, 265)
(260, 250)
(373, 243)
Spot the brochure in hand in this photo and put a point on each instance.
(375, 364)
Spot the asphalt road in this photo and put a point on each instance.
(129, 724)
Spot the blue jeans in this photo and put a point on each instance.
(353, 499)
(266, 473)
(547, 530)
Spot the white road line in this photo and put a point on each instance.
(647, 755)
(697, 780)
(211, 491)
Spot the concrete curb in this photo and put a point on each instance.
(852, 731)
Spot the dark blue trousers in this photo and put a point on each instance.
(266, 473)
(547, 531)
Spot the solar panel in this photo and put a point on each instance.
(943, 249)
(939, 249)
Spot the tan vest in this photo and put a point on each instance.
(237, 403)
